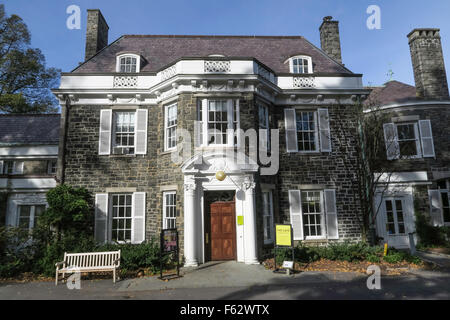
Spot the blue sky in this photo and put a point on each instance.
(370, 52)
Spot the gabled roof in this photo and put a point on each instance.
(29, 129)
(392, 92)
(159, 51)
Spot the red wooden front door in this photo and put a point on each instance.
(223, 231)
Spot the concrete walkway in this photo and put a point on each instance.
(440, 259)
(231, 274)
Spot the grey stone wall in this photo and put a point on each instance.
(428, 63)
(155, 172)
(335, 170)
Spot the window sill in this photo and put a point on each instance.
(122, 155)
(168, 151)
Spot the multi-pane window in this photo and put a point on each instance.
(395, 221)
(128, 64)
(307, 133)
(169, 210)
(263, 117)
(121, 218)
(408, 139)
(301, 65)
(267, 216)
(313, 215)
(171, 127)
(217, 122)
(124, 131)
(12, 167)
(444, 189)
(27, 215)
(51, 166)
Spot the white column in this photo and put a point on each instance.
(250, 247)
(190, 226)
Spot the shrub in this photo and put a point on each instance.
(430, 236)
(136, 257)
(16, 252)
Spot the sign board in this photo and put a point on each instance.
(283, 235)
(288, 264)
(240, 220)
(169, 240)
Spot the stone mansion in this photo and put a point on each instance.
(123, 108)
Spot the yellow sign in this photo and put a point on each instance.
(240, 220)
(283, 235)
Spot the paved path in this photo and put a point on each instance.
(233, 280)
(442, 260)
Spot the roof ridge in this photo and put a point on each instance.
(206, 36)
(30, 114)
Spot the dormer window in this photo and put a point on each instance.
(301, 64)
(128, 63)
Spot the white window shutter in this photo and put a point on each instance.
(104, 144)
(295, 208)
(391, 141)
(426, 137)
(141, 131)
(331, 212)
(408, 214)
(435, 208)
(291, 130)
(380, 215)
(101, 217)
(1, 167)
(324, 129)
(18, 167)
(138, 218)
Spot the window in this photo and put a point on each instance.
(263, 116)
(301, 64)
(267, 216)
(218, 122)
(408, 140)
(307, 133)
(52, 166)
(169, 210)
(313, 215)
(128, 63)
(171, 127)
(124, 132)
(395, 221)
(121, 217)
(27, 215)
(444, 190)
(12, 167)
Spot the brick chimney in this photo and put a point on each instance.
(96, 32)
(329, 38)
(428, 64)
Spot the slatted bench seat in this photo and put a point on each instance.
(88, 262)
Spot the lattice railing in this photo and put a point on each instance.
(217, 66)
(125, 81)
(304, 82)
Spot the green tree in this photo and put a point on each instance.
(25, 81)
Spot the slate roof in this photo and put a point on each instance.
(162, 50)
(29, 129)
(392, 92)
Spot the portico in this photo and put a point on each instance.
(199, 178)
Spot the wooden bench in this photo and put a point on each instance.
(88, 262)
